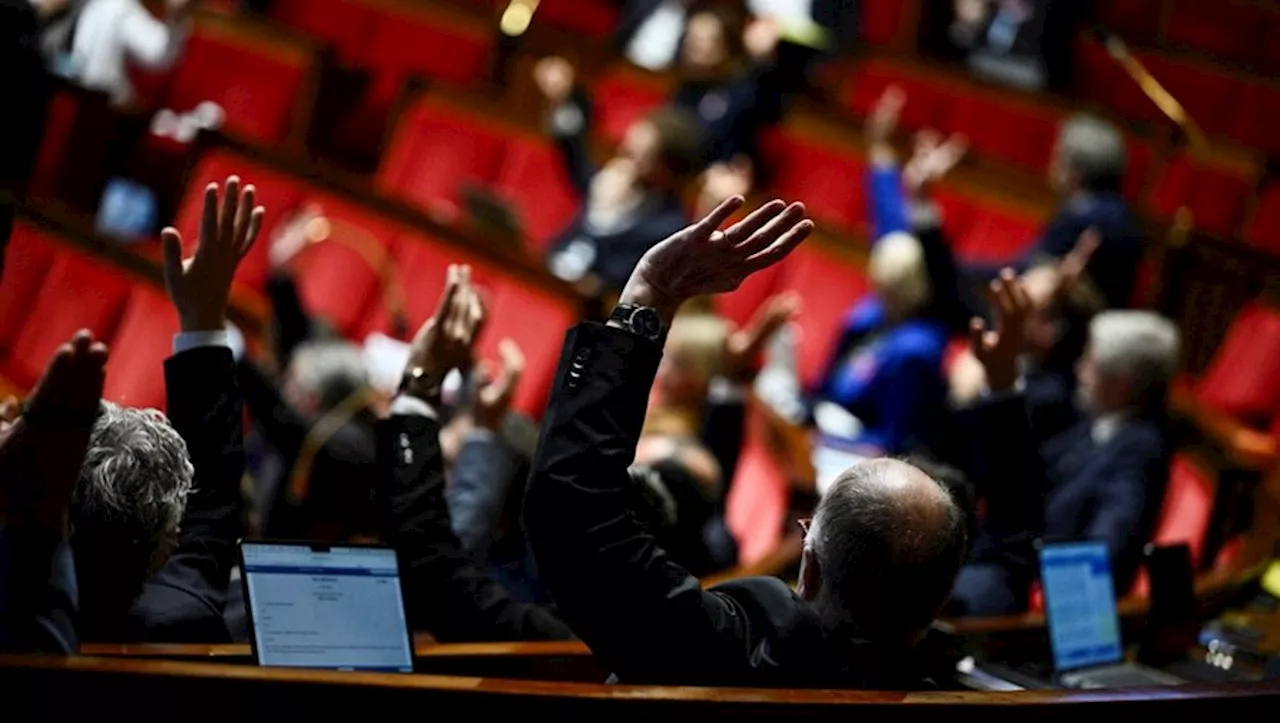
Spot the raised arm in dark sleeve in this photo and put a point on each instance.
(477, 493)
(445, 593)
(293, 325)
(570, 123)
(644, 616)
(204, 407)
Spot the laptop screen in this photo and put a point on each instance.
(333, 606)
(1080, 605)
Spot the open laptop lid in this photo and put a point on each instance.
(1080, 605)
(319, 605)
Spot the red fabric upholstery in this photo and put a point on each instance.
(620, 99)
(534, 320)
(1137, 170)
(1243, 379)
(930, 102)
(1133, 19)
(1216, 195)
(421, 264)
(79, 293)
(828, 287)
(756, 506)
(406, 41)
(279, 194)
(27, 262)
(740, 305)
(594, 18)
(533, 179)
(996, 235)
(1019, 133)
(1188, 508)
(257, 85)
(880, 20)
(346, 24)
(831, 183)
(143, 340)
(1263, 230)
(1223, 29)
(1259, 102)
(1210, 95)
(438, 150)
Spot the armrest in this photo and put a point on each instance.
(1244, 446)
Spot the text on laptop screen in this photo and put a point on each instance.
(1080, 605)
(339, 607)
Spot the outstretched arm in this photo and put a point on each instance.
(643, 615)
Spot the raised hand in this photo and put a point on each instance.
(883, 120)
(446, 341)
(493, 402)
(701, 259)
(998, 350)
(742, 348)
(932, 159)
(199, 286)
(42, 449)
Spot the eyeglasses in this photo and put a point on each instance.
(805, 523)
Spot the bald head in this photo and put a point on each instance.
(887, 540)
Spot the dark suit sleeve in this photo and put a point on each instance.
(1122, 513)
(293, 324)
(204, 407)
(445, 593)
(38, 594)
(284, 427)
(572, 141)
(723, 430)
(643, 615)
(477, 492)
(1011, 480)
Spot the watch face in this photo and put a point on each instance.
(645, 322)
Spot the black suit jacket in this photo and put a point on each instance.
(39, 601)
(645, 617)
(184, 601)
(445, 592)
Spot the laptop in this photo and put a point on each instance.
(316, 605)
(1084, 628)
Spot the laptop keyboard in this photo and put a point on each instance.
(1120, 676)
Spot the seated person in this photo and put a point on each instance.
(645, 617)
(155, 512)
(883, 383)
(1103, 478)
(633, 201)
(41, 450)
(445, 592)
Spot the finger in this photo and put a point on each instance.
(781, 248)
(244, 211)
(995, 300)
(512, 357)
(81, 342)
(230, 203)
(209, 218)
(171, 240)
(765, 237)
(255, 227)
(445, 305)
(99, 353)
(742, 230)
(977, 334)
(710, 223)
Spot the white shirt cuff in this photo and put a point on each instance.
(188, 340)
(412, 407)
(722, 391)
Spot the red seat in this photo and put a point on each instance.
(828, 287)
(1223, 29)
(409, 40)
(1243, 379)
(996, 236)
(1216, 194)
(1019, 133)
(143, 340)
(1134, 20)
(276, 192)
(881, 20)
(622, 98)
(336, 279)
(1263, 230)
(756, 506)
(1259, 102)
(533, 179)
(740, 305)
(79, 293)
(930, 102)
(347, 25)
(257, 81)
(1210, 95)
(26, 264)
(421, 264)
(535, 320)
(1138, 156)
(831, 183)
(436, 151)
(1188, 507)
(593, 18)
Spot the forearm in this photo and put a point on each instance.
(888, 202)
(478, 491)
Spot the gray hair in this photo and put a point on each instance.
(331, 370)
(1140, 345)
(1094, 149)
(898, 270)
(133, 485)
(889, 540)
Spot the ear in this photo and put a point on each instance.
(810, 575)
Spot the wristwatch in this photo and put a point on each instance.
(642, 321)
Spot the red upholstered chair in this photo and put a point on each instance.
(535, 320)
(1217, 193)
(1225, 30)
(995, 235)
(533, 179)
(881, 20)
(1135, 20)
(1019, 133)
(79, 293)
(26, 264)
(740, 305)
(257, 79)
(828, 287)
(346, 25)
(930, 102)
(336, 277)
(143, 340)
(278, 193)
(420, 266)
(756, 507)
(622, 97)
(1243, 379)
(408, 40)
(1259, 101)
(1263, 229)
(1211, 96)
(832, 183)
(436, 150)
(593, 18)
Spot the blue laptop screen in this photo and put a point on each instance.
(1080, 605)
(334, 607)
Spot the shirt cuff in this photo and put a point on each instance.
(411, 406)
(188, 340)
(723, 391)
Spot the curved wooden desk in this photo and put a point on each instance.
(202, 690)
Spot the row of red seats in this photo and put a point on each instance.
(337, 282)
(52, 288)
(1241, 31)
